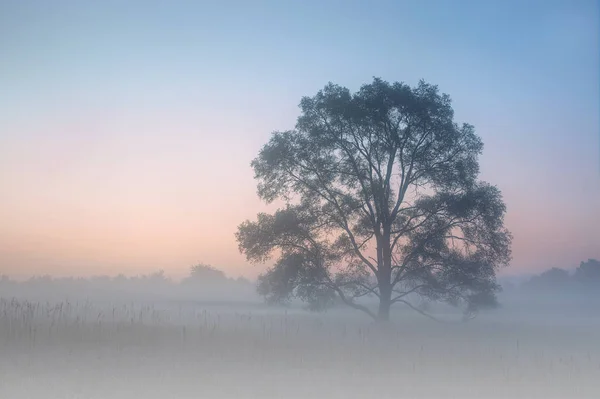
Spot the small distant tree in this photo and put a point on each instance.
(205, 274)
(158, 277)
(554, 278)
(589, 272)
(382, 198)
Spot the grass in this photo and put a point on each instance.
(82, 349)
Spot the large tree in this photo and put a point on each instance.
(382, 198)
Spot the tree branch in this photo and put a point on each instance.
(419, 310)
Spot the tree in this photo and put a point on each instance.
(382, 199)
(588, 272)
(205, 274)
(554, 279)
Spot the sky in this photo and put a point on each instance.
(127, 128)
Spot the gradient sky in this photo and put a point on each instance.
(127, 127)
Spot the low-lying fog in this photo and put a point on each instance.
(123, 338)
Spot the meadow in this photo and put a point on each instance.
(109, 349)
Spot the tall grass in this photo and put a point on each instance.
(110, 350)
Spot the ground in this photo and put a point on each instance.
(163, 350)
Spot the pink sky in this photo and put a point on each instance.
(112, 203)
(126, 133)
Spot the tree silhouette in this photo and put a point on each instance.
(205, 274)
(382, 199)
(555, 279)
(588, 272)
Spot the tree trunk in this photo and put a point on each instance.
(384, 277)
(383, 314)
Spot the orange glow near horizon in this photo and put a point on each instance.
(126, 133)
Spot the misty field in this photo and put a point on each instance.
(183, 350)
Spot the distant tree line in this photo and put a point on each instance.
(585, 279)
(202, 282)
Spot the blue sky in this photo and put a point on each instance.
(142, 109)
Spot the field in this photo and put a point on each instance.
(84, 349)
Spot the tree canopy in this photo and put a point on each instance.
(382, 198)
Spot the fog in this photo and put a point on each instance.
(380, 165)
(151, 337)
